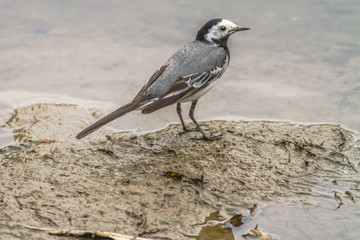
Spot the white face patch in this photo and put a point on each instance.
(220, 30)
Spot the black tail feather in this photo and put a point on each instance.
(112, 116)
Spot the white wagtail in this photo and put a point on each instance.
(185, 77)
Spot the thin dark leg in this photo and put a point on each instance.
(185, 129)
(191, 115)
(178, 110)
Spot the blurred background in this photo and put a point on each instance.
(300, 61)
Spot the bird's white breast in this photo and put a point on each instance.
(199, 93)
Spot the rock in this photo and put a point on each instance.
(159, 184)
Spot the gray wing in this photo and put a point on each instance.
(183, 88)
(190, 62)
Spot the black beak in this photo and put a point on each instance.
(237, 29)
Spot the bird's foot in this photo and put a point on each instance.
(187, 130)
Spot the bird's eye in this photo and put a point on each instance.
(222, 28)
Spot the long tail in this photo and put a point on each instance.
(112, 116)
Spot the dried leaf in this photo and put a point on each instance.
(174, 175)
(255, 233)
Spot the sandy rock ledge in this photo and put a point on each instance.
(159, 184)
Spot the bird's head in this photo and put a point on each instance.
(217, 31)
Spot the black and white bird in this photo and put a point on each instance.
(185, 77)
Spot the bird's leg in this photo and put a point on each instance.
(191, 115)
(178, 110)
(185, 129)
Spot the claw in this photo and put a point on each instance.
(198, 126)
(186, 130)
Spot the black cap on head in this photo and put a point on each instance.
(205, 29)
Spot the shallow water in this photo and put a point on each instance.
(319, 221)
(300, 62)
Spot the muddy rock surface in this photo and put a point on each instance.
(160, 184)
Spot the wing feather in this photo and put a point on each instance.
(184, 87)
(152, 79)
